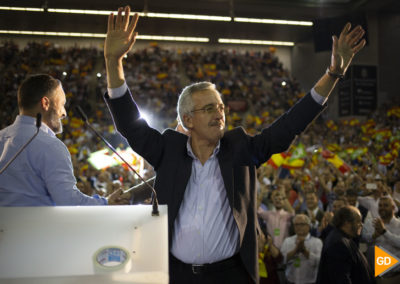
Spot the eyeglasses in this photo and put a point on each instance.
(212, 108)
(300, 224)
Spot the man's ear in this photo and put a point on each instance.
(188, 121)
(45, 103)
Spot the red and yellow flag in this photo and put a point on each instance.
(336, 161)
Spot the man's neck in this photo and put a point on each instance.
(312, 209)
(32, 113)
(387, 219)
(202, 149)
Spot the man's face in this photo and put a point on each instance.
(208, 118)
(337, 204)
(56, 111)
(356, 225)
(277, 199)
(351, 199)
(301, 227)
(311, 201)
(386, 208)
(339, 189)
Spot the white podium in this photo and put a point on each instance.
(63, 245)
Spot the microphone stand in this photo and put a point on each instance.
(38, 124)
(155, 211)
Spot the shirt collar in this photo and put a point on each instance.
(306, 238)
(314, 211)
(30, 120)
(392, 221)
(190, 150)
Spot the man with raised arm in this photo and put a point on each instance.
(208, 179)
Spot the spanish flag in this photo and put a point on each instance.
(293, 164)
(331, 125)
(386, 159)
(336, 161)
(334, 147)
(295, 159)
(394, 111)
(277, 160)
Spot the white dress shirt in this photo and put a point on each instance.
(299, 269)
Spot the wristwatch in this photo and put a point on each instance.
(334, 75)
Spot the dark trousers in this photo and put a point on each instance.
(230, 271)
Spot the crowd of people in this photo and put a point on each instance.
(350, 161)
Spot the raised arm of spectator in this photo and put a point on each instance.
(344, 48)
(121, 37)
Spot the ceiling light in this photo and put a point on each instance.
(186, 17)
(259, 42)
(164, 15)
(173, 38)
(22, 9)
(88, 35)
(272, 21)
(76, 11)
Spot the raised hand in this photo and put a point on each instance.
(121, 35)
(345, 47)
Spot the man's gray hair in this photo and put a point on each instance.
(185, 101)
(303, 216)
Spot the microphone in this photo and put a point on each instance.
(38, 124)
(140, 192)
(83, 116)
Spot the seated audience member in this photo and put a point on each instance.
(42, 175)
(277, 220)
(301, 252)
(384, 232)
(313, 212)
(341, 260)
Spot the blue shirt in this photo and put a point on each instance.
(42, 175)
(205, 230)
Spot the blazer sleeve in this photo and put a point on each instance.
(279, 135)
(144, 140)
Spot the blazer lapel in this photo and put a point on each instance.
(226, 166)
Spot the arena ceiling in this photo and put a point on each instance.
(302, 10)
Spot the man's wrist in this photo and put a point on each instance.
(335, 75)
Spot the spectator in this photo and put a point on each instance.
(277, 220)
(271, 258)
(351, 197)
(341, 260)
(313, 212)
(301, 253)
(384, 232)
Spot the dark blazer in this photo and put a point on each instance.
(342, 262)
(239, 156)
